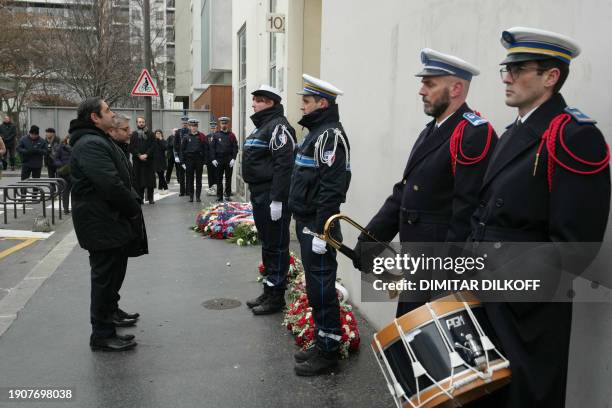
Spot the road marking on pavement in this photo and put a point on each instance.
(18, 297)
(15, 248)
(158, 196)
(5, 233)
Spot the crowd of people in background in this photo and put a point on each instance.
(153, 155)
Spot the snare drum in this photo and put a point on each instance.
(439, 355)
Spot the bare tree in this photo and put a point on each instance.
(90, 50)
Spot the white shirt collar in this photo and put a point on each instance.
(438, 124)
(527, 115)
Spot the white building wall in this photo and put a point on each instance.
(371, 51)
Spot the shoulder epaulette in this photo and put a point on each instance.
(474, 119)
(579, 116)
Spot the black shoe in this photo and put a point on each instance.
(66, 212)
(125, 315)
(198, 199)
(151, 202)
(257, 301)
(220, 200)
(122, 322)
(272, 304)
(304, 355)
(125, 337)
(110, 344)
(191, 199)
(319, 363)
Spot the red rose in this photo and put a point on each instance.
(262, 268)
(289, 326)
(291, 260)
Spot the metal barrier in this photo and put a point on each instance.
(34, 191)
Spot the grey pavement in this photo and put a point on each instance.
(187, 356)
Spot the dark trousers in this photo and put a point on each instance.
(52, 171)
(169, 169)
(107, 274)
(224, 169)
(26, 172)
(320, 271)
(212, 174)
(10, 154)
(274, 237)
(195, 167)
(180, 177)
(66, 193)
(149, 191)
(161, 185)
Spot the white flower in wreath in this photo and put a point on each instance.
(351, 335)
(253, 229)
(348, 318)
(346, 328)
(240, 241)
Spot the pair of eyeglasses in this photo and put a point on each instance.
(125, 129)
(515, 71)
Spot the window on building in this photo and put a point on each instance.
(273, 45)
(242, 83)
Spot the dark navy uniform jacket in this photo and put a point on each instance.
(267, 161)
(430, 203)
(194, 145)
(518, 206)
(321, 174)
(224, 147)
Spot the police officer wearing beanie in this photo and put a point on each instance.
(438, 192)
(267, 162)
(320, 180)
(177, 142)
(194, 153)
(549, 168)
(223, 151)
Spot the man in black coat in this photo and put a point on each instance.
(106, 214)
(320, 179)
(267, 162)
(8, 133)
(546, 173)
(170, 156)
(177, 142)
(53, 142)
(223, 154)
(438, 192)
(32, 150)
(194, 153)
(142, 148)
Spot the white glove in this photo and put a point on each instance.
(232, 162)
(176, 160)
(215, 163)
(318, 246)
(184, 167)
(276, 210)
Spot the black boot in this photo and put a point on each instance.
(258, 300)
(304, 355)
(272, 304)
(191, 199)
(198, 199)
(321, 362)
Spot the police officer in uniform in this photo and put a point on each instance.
(548, 170)
(267, 163)
(320, 180)
(194, 153)
(223, 156)
(177, 142)
(438, 192)
(210, 168)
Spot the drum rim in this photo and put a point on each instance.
(420, 317)
(503, 374)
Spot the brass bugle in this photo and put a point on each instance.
(329, 224)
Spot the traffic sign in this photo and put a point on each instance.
(145, 85)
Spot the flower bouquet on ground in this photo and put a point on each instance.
(222, 220)
(244, 234)
(295, 268)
